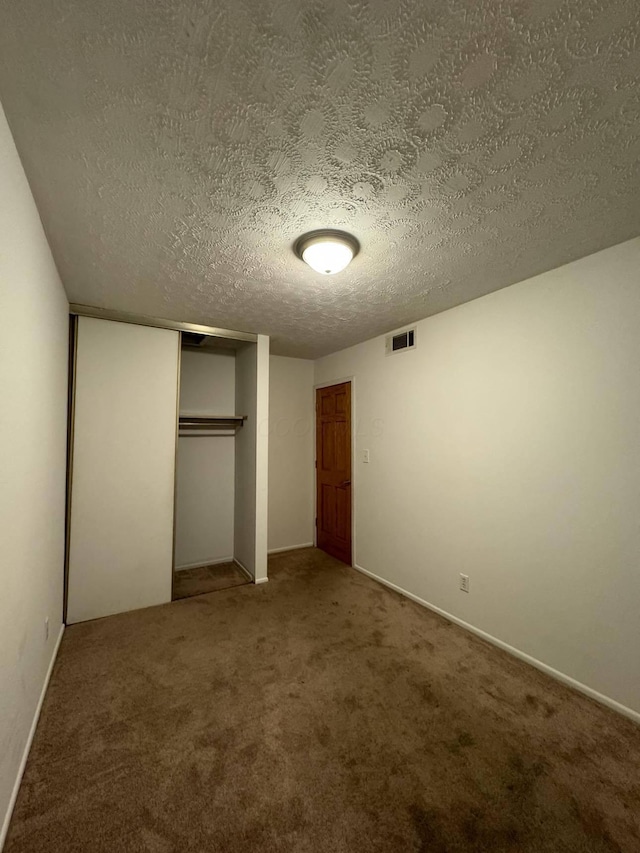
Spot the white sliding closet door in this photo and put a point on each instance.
(122, 495)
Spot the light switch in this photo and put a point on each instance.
(365, 455)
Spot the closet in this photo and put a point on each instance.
(215, 449)
(167, 458)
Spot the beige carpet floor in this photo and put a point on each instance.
(317, 712)
(188, 582)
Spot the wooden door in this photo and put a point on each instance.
(333, 474)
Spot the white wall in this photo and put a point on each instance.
(506, 447)
(208, 382)
(291, 452)
(34, 325)
(206, 463)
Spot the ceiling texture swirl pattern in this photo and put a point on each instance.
(176, 150)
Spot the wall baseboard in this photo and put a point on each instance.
(23, 763)
(512, 650)
(246, 571)
(290, 548)
(243, 569)
(203, 563)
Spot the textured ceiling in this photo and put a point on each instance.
(176, 149)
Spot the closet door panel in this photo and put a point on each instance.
(122, 496)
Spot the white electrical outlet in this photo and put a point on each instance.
(464, 583)
(46, 628)
(365, 455)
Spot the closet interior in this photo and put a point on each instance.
(167, 465)
(212, 453)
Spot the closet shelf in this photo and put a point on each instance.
(207, 422)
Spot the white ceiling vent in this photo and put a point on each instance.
(401, 341)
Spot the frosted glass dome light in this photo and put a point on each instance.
(327, 251)
(327, 256)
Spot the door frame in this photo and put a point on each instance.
(71, 421)
(175, 469)
(354, 467)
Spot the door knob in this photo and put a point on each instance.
(344, 483)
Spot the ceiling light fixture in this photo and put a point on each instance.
(327, 251)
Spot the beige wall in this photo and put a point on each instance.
(34, 326)
(291, 453)
(506, 447)
(205, 477)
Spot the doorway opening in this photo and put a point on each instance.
(211, 460)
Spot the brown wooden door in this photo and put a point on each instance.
(333, 470)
